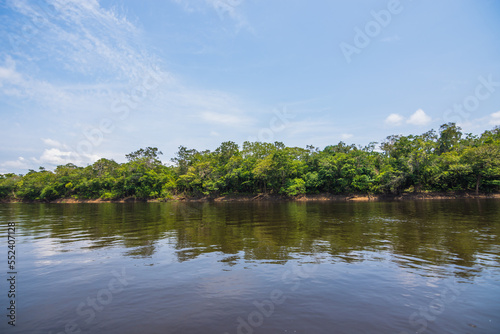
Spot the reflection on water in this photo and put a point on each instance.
(378, 261)
(427, 235)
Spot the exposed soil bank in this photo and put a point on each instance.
(360, 198)
(267, 197)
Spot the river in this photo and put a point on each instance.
(253, 267)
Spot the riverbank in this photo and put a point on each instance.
(278, 198)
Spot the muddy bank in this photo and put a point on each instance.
(276, 198)
(360, 198)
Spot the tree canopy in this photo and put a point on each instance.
(448, 161)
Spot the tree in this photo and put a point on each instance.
(449, 137)
(184, 158)
(226, 151)
(484, 162)
(8, 185)
(453, 172)
(412, 159)
(149, 155)
(104, 167)
(295, 187)
(449, 161)
(33, 184)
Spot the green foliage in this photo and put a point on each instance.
(149, 155)
(484, 163)
(295, 187)
(32, 185)
(449, 161)
(449, 138)
(49, 193)
(8, 184)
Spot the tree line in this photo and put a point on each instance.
(445, 161)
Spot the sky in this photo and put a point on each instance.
(86, 79)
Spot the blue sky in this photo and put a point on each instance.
(84, 79)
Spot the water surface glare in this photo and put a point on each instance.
(256, 267)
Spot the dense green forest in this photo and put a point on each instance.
(444, 161)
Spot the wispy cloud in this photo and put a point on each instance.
(103, 52)
(8, 73)
(231, 8)
(89, 38)
(224, 8)
(19, 85)
(51, 142)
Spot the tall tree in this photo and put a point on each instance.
(449, 137)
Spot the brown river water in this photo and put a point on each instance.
(253, 267)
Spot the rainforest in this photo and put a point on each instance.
(443, 161)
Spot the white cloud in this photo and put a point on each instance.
(51, 142)
(419, 117)
(394, 119)
(54, 157)
(50, 158)
(346, 136)
(20, 163)
(495, 118)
